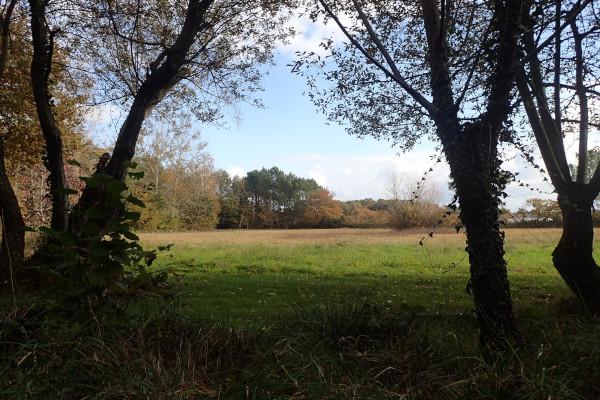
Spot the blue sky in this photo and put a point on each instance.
(289, 133)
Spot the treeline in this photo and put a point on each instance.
(197, 198)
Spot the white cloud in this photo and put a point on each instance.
(234, 171)
(318, 174)
(311, 34)
(354, 178)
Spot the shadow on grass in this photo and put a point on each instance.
(333, 349)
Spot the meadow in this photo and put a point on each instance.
(242, 277)
(314, 314)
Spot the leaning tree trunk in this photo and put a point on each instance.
(13, 227)
(165, 73)
(573, 257)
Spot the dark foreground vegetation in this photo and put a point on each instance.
(346, 350)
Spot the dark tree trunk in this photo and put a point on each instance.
(471, 151)
(40, 76)
(573, 255)
(473, 162)
(13, 228)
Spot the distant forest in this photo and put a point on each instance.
(181, 190)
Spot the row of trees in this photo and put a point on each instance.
(198, 198)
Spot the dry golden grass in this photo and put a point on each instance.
(442, 236)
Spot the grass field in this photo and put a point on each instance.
(243, 277)
(314, 314)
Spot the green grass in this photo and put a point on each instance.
(245, 284)
(311, 315)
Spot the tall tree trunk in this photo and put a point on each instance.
(474, 169)
(471, 152)
(13, 227)
(573, 257)
(40, 77)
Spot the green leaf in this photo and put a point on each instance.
(48, 231)
(136, 175)
(96, 213)
(66, 237)
(145, 277)
(132, 215)
(131, 235)
(113, 201)
(63, 191)
(96, 180)
(99, 250)
(54, 249)
(74, 163)
(90, 227)
(130, 164)
(116, 187)
(161, 278)
(66, 264)
(135, 201)
(118, 288)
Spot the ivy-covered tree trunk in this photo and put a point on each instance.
(573, 257)
(471, 152)
(13, 227)
(476, 176)
(40, 78)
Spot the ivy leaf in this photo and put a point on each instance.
(135, 201)
(116, 187)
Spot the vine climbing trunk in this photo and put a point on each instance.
(42, 40)
(476, 176)
(471, 152)
(573, 257)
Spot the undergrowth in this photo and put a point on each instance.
(332, 349)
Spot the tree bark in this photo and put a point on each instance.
(471, 152)
(475, 174)
(40, 76)
(572, 256)
(13, 227)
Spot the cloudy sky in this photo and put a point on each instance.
(290, 134)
